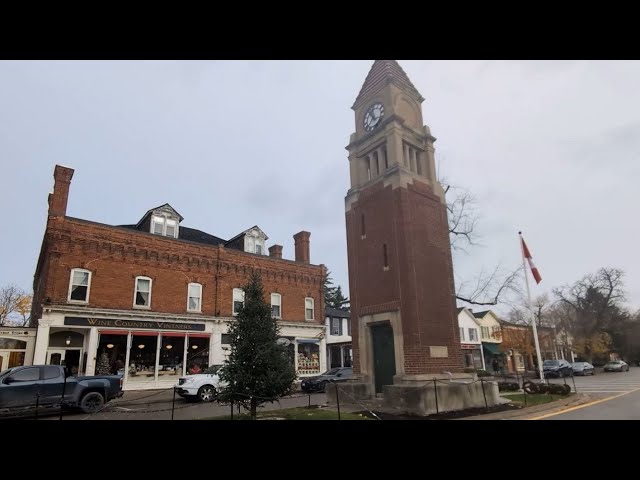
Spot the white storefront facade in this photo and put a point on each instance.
(152, 350)
(16, 346)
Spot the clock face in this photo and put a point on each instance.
(373, 117)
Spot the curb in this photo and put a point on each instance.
(523, 413)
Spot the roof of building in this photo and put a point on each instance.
(383, 72)
(480, 314)
(156, 208)
(459, 309)
(191, 234)
(334, 312)
(255, 227)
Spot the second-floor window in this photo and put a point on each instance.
(276, 301)
(336, 326)
(142, 296)
(164, 226)
(194, 300)
(238, 300)
(485, 332)
(308, 309)
(462, 334)
(473, 335)
(79, 285)
(349, 326)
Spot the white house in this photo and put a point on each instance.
(338, 338)
(470, 339)
(491, 338)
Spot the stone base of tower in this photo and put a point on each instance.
(419, 395)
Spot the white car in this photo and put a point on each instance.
(201, 387)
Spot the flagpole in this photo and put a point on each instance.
(533, 321)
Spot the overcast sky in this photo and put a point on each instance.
(549, 147)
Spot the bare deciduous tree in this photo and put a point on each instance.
(15, 305)
(490, 286)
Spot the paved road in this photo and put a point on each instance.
(616, 397)
(606, 383)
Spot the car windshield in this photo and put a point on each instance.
(579, 365)
(4, 372)
(333, 371)
(613, 363)
(551, 363)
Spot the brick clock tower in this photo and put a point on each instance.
(403, 310)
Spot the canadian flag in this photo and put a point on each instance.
(532, 266)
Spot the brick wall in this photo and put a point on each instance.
(115, 256)
(412, 222)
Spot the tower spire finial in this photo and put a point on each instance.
(383, 72)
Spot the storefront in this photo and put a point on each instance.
(472, 354)
(152, 354)
(340, 355)
(16, 346)
(148, 354)
(494, 359)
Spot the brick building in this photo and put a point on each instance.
(400, 267)
(152, 299)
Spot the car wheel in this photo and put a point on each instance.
(206, 393)
(92, 402)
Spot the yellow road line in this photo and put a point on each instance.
(584, 405)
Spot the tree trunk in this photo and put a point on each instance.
(254, 408)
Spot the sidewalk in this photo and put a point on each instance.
(529, 412)
(146, 397)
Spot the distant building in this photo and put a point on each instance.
(338, 337)
(491, 338)
(155, 297)
(470, 339)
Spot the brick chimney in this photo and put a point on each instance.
(302, 246)
(58, 199)
(275, 251)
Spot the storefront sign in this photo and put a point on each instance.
(133, 324)
(21, 333)
(469, 347)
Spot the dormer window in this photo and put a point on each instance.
(253, 244)
(164, 226)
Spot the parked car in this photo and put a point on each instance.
(319, 383)
(557, 368)
(616, 366)
(202, 387)
(24, 388)
(583, 368)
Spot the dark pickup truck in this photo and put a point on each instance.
(35, 386)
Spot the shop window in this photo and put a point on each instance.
(308, 358)
(142, 358)
(12, 344)
(468, 360)
(142, 297)
(114, 347)
(171, 356)
(79, 285)
(16, 359)
(346, 361)
(335, 352)
(194, 300)
(197, 355)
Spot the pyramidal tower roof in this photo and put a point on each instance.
(383, 72)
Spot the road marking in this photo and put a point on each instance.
(584, 405)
